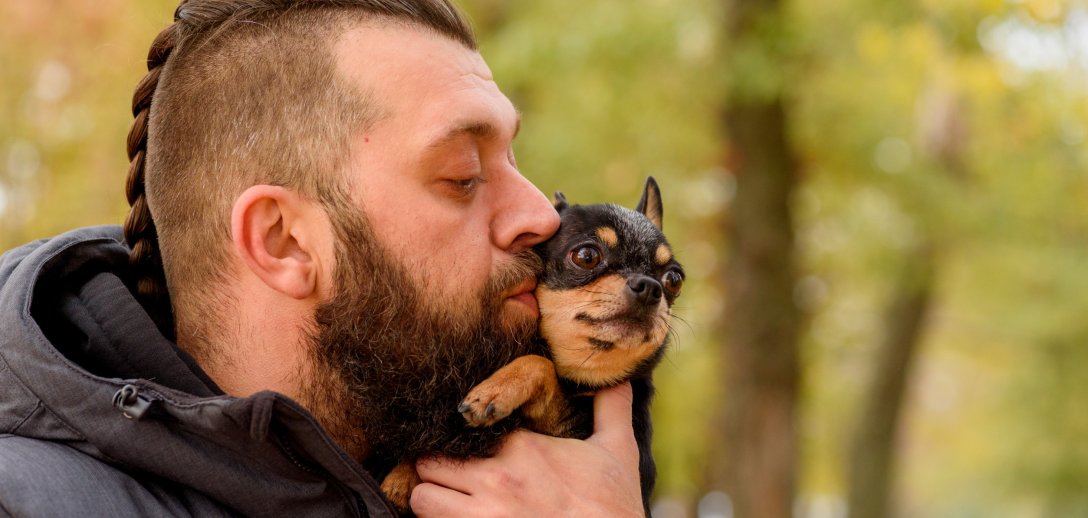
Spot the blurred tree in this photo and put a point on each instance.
(942, 140)
(67, 69)
(762, 322)
(872, 453)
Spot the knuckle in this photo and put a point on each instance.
(505, 481)
(525, 440)
(518, 437)
(511, 482)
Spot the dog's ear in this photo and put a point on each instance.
(650, 204)
(560, 202)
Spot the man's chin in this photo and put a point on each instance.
(519, 317)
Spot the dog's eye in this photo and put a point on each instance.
(585, 257)
(673, 281)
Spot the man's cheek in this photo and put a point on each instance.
(462, 276)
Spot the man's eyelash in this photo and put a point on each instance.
(468, 185)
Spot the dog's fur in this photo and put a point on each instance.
(609, 282)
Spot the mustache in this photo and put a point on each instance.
(525, 264)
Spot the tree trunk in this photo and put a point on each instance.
(872, 454)
(762, 371)
(757, 457)
(942, 138)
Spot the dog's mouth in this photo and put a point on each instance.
(632, 326)
(633, 318)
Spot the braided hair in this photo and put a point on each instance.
(145, 258)
(185, 50)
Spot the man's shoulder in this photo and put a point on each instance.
(42, 478)
(22, 263)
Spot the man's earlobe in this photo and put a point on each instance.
(272, 238)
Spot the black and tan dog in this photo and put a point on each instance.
(605, 298)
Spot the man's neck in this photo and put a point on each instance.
(258, 344)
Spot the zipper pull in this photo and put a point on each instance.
(129, 402)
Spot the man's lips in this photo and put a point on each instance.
(523, 293)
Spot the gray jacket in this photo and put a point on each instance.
(100, 415)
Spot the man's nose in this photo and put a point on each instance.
(523, 216)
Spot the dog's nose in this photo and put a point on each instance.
(646, 290)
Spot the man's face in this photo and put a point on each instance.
(391, 363)
(436, 175)
(434, 272)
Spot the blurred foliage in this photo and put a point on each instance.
(614, 90)
(68, 69)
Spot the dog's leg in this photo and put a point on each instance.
(399, 483)
(529, 383)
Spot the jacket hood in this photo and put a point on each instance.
(82, 363)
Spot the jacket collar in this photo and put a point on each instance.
(72, 338)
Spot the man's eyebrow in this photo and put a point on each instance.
(476, 128)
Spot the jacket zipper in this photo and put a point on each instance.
(131, 404)
(295, 458)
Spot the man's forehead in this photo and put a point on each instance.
(479, 128)
(382, 54)
(442, 84)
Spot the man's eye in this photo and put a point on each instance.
(468, 183)
(465, 186)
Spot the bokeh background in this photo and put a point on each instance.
(880, 207)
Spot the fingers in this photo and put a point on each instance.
(612, 428)
(469, 476)
(484, 486)
(537, 475)
(444, 472)
(613, 405)
(433, 501)
(612, 410)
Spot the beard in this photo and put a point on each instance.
(390, 364)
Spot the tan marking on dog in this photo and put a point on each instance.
(608, 236)
(528, 383)
(399, 483)
(569, 339)
(663, 254)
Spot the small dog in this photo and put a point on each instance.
(609, 283)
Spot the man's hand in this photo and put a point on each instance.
(536, 475)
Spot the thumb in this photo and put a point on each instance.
(612, 428)
(612, 408)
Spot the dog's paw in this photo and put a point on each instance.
(398, 486)
(489, 403)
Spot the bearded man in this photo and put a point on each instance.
(329, 237)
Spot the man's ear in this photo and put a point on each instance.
(273, 232)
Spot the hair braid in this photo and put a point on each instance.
(145, 259)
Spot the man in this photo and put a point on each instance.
(327, 189)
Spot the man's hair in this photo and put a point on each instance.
(240, 93)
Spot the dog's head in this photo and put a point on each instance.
(609, 283)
